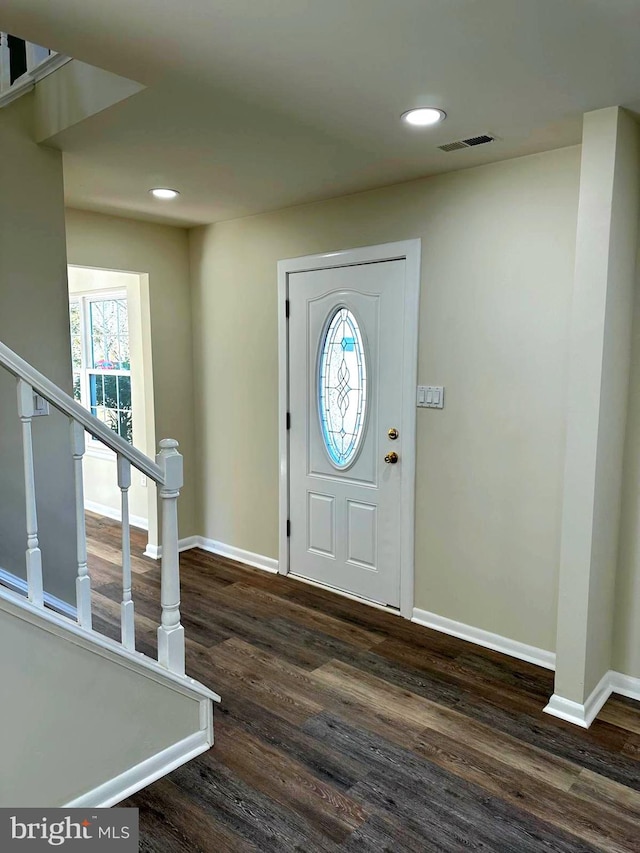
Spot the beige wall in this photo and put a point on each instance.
(34, 321)
(161, 252)
(497, 271)
(100, 472)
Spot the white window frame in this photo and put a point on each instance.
(83, 299)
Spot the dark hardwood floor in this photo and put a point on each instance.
(344, 728)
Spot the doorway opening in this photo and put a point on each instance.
(113, 378)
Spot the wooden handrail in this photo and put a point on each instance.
(21, 369)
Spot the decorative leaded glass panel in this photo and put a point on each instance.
(342, 388)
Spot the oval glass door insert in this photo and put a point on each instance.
(342, 388)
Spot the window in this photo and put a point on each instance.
(101, 359)
(342, 388)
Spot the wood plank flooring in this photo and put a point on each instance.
(344, 728)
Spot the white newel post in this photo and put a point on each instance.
(83, 581)
(5, 63)
(127, 615)
(170, 632)
(34, 557)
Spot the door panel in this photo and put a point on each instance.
(362, 534)
(322, 524)
(345, 393)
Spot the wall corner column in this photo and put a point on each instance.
(598, 380)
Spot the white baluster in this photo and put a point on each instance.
(5, 63)
(126, 608)
(83, 581)
(170, 632)
(34, 557)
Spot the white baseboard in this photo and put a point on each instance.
(143, 774)
(625, 685)
(574, 712)
(20, 585)
(110, 512)
(584, 715)
(531, 654)
(155, 551)
(258, 561)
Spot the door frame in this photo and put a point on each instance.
(409, 251)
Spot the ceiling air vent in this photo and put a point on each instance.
(471, 142)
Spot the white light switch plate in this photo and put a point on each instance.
(430, 397)
(40, 406)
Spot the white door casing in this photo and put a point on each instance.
(351, 518)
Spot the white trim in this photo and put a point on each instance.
(155, 551)
(514, 648)
(28, 80)
(258, 561)
(584, 715)
(111, 512)
(18, 89)
(48, 66)
(410, 251)
(20, 585)
(283, 408)
(625, 685)
(574, 712)
(146, 772)
(60, 626)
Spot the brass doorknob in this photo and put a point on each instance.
(391, 458)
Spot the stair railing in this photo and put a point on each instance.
(166, 471)
(22, 64)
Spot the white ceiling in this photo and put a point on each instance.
(254, 105)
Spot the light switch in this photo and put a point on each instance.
(430, 396)
(40, 406)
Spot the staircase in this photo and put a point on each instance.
(87, 721)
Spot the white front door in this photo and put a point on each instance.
(346, 449)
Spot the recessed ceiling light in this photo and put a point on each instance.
(424, 116)
(163, 192)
